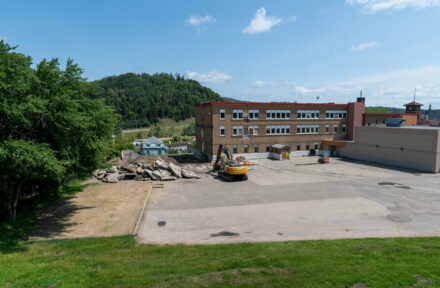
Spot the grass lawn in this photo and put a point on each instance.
(120, 262)
(167, 126)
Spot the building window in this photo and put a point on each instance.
(246, 148)
(307, 129)
(222, 114)
(327, 128)
(298, 147)
(234, 149)
(344, 128)
(267, 148)
(237, 114)
(254, 114)
(253, 130)
(307, 147)
(335, 128)
(278, 130)
(277, 114)
(308, 114)
(316, 146)
(222, 130)
(336, 114)
(237, 130)
(256, 148)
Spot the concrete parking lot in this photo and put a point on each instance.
(296, 200)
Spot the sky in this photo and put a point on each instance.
(283, 50)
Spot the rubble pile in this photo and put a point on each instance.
(160, 170)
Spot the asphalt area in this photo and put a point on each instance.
(295, 200)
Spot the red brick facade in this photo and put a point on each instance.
(256, 126)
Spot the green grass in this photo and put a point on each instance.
(120, 262)
(11, 233)
(169, 127)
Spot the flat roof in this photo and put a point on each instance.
(403, 127)
(419, 127)
(269, 103)
(389, 114)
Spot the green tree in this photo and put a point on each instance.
(46, 111)
(23, 165)
(190, 129)
(148, 98)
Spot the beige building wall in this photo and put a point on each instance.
(411, 148)
(209, 123)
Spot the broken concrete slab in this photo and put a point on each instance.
(176, 170)
(112, 178)
(189, 174)
(162, 164)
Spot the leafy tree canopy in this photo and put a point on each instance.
(143, 99)
(49, 127)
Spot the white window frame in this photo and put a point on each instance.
(335, 129)
(224, 131)
(224, 114)
(255, 130)
(278, 130)
(307, 129)
(278, 114)
(327, 129)
(237, 130)
(254, 114)
(336, 114)
(239, 113)
(308, 114)
(344, 128)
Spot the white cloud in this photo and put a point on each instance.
(197, 20)
(213, 76)
(386, 89)
(261, 83)
(372, 6)
(292, 18)
(261, 22)
(363, 46)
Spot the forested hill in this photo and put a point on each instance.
(148, 98)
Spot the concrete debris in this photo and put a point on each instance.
(189, 174)
(162, 164)
(113, 178)
(156, 170)
(176, 170)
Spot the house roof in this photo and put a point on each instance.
(153, 140)
(413, 103)
(432, 115)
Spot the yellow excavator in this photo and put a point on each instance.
(229, 169)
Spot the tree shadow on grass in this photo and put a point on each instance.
(11, 234)
(46, 223)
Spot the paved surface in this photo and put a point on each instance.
(296, 200)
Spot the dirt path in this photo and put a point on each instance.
(99, 211)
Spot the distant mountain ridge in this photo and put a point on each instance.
(143, 99)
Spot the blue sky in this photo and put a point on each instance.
(284, 50)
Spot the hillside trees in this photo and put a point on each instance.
(49, 127)
(143, 99)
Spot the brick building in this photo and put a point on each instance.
(253, 127)
(379, 119)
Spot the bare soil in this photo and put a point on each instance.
(102, 210)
